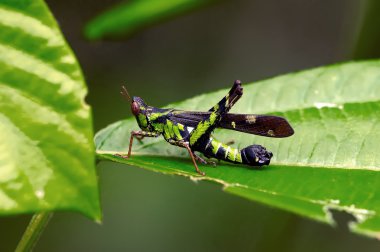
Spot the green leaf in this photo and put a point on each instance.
(128, 17)
(47, 152)
(331, 162)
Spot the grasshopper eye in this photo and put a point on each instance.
(135, 108)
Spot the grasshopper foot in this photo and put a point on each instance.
(209, 162)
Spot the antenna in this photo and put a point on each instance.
(125, 93)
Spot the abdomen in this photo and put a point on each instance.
(254, 155)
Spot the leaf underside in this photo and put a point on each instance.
(46, 156)
(331, 162)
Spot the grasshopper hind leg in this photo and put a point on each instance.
(193, 156)
(199, 159)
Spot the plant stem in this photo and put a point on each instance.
(33, 232)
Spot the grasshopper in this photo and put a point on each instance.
(192, 130)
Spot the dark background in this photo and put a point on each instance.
(196, 53)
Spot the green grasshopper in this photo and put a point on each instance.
(192, 130)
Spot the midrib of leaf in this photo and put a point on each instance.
(322, 188)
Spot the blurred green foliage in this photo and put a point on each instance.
(129, 17)
(367, 45)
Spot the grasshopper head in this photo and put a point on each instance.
(138, 108)
(137, 104)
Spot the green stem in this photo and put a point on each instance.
(33, 232)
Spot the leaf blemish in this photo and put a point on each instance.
(360, 214)
(320, 105)
(40, 194)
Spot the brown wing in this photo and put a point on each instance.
(262, 125)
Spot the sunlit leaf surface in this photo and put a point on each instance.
(331, 162)
(46, 150)
(128, 17)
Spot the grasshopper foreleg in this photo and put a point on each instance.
(139, 135)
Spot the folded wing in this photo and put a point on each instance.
(262, 125)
